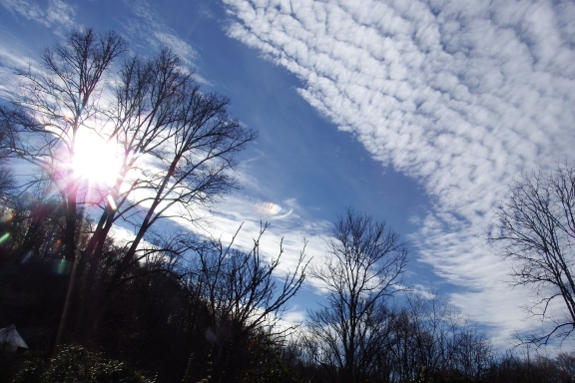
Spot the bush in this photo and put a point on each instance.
(75, 364)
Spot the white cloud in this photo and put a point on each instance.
(462, 96)
(14, 53)
(25, 8)
(288, 227)
(149, 26)
(57, 13)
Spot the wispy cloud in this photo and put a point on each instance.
(58, 14)
(462, 96)
(10, 59)
(143, 22)
(289, 227)
(14, 53)
(149, 26)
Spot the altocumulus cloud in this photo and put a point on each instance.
(462, 96)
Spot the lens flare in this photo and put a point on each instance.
(26, 257)
(7, 216)
(4, 237)
(112, 203)
(60, 266)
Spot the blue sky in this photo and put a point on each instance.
(416, 112)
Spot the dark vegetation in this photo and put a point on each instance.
(185, 308)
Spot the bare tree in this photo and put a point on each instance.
(6, 180)
(244, 297)
(177, 143)
(365, 263)
(537, 230)
(57, 102)
(190, 141)
(423, 334)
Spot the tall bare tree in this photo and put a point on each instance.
(363, 268)
(57, 101)
(177, 144)
(244, 298)
(537, 230)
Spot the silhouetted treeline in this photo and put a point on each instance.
(186, 319)
(211, 315)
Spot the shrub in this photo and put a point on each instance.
(75, 364)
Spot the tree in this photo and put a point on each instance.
(176, 145)
(239, 287)
(160, 113)
(6, 181)
(537, 229)
(243, 301)
(363, 268)
(58, 101)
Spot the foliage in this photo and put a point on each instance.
(267, 364)
(74, 363)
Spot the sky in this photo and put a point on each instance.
(419, 113)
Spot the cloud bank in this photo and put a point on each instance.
(461, 96)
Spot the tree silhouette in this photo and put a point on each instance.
(365, 262)
(176, 144)
(537, 231)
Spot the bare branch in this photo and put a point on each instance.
(536, 226)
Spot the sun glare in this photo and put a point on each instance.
(95, 160)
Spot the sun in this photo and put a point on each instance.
(95, 160)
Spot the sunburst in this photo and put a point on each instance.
(95, 160)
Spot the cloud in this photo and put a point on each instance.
(289, 227)
(462, 96)
(57, 14)
(148, 25)
(14, 53)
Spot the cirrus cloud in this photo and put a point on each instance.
(462, 96)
